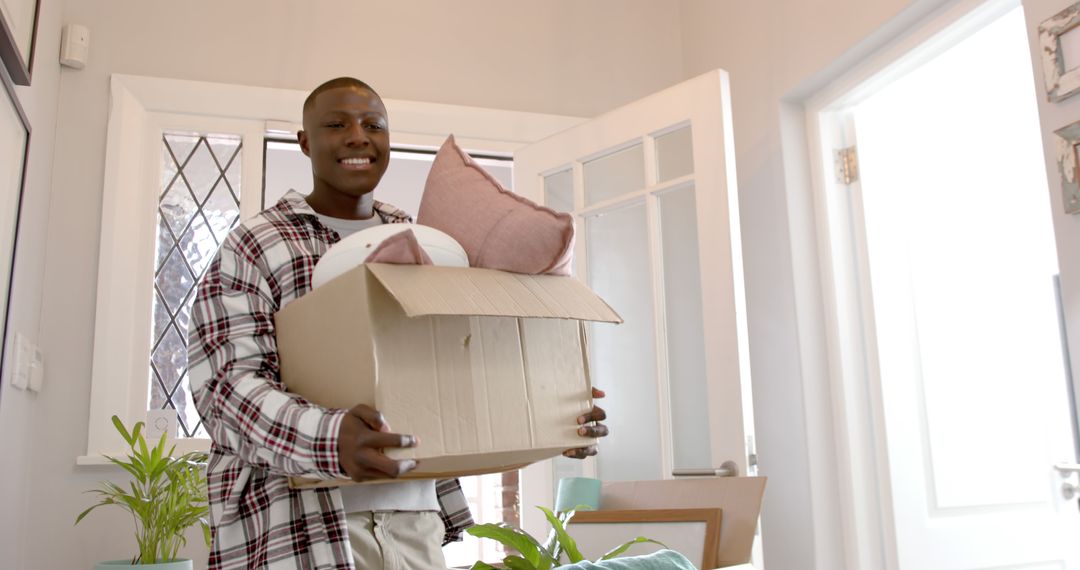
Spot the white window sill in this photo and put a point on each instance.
(182, 446)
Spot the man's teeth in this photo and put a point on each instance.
(356, 161)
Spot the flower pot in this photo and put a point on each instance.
(171, 565)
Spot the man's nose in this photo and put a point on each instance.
(356, 135)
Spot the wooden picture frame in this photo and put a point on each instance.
(18, 37)
(1060, 82)
(1068, 161)
(14, 149)
(695, 533)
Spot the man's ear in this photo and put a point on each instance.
(301, 137)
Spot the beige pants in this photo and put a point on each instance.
(396, 540)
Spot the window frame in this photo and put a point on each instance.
(141, 108)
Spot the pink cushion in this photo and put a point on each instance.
(401, 249)
(497, 228)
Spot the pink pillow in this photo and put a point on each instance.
(401, 249)
(497, 228)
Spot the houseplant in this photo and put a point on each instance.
(166, 497)
(535, 556)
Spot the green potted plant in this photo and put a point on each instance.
(535, 556)
(166, 497)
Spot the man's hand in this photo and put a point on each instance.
(596, 429)
(363, 435)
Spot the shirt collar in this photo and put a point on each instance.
(294, 204)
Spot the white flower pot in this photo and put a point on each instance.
(119, 564)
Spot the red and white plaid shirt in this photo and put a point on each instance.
(260, 433)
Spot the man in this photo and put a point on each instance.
(262, 434)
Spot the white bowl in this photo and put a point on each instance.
(353, 250)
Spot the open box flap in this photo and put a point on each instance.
(430, 290)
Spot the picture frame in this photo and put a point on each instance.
(1060, 82)
(695, 533)
(18, 37)
(1068, 161)
(14, 150)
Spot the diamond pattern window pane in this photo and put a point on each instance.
(199, 205)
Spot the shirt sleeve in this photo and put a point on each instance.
(453, 509)
(233, 361)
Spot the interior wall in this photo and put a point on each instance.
(17, 407)
(562, 57)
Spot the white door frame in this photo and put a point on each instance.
(849, 479)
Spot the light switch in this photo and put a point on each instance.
(20, 374)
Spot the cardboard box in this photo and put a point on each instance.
(739, 497)
(489, 369)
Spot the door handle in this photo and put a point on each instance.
(1067, 469)
(726, 469)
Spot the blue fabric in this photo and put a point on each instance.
(659, 560)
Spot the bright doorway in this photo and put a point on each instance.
(947, 356)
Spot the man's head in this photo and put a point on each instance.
(346, 135)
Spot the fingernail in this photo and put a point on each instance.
(408, 465)
(581, 419)
(582, 431)
(409, 441)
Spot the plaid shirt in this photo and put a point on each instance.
(260, 433)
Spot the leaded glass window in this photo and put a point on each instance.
(198, 205)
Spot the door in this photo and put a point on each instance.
(944, 263)
(652, 189)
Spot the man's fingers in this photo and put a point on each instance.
(597, 414)
(597, 393)
(372, 417)
(598, 430)
(581, 452)
(367, 459)
(361, 474)
(381, 440)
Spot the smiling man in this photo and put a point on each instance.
(261, 434)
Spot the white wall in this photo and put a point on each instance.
(562, 56)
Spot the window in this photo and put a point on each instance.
(199, 204)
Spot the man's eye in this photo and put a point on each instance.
(374, 127)
(335, 125)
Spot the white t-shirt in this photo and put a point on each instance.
(398, 495)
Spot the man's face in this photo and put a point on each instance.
(347, 138)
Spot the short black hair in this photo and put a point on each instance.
(334, 84)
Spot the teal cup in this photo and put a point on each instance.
(577, 493)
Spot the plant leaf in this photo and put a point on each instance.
(622, 547)
(511, 537)
(565, 540)
(518, 563)
(480, 565)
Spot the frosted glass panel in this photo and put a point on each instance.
(614, 174)
(623, 357)
(559, 191)
(674, 155)
(962, 283)
(199, 204)
(685, 330)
